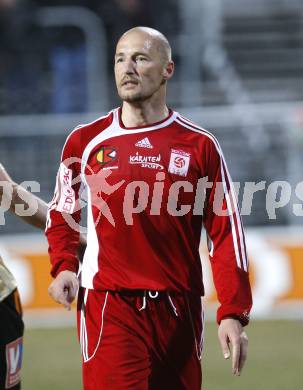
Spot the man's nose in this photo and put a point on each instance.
(129, 67)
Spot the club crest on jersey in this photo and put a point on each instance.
(106, 155)
(179, 162)
(144, 143)
(151, 162)
(13, 353)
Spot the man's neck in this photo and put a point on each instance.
(142, 114)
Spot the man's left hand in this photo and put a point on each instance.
(231, 332)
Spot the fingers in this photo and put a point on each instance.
(240, 347)
(224, 345)
(71, 291)
(236, 355)
(244, 348)
(64, 288)
(231, 332)
(59, 294)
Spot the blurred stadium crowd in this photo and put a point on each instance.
(45, 50)
(239, 73)
(50, 59)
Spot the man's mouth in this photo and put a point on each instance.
(129, 82)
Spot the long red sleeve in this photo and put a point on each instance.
(226, 241)
(62, 229)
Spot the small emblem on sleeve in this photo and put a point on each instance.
(179, 162)
(67, 199)
(13, 362)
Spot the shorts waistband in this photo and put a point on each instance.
(148, 295)
(141, 293)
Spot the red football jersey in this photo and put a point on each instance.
(146, 204)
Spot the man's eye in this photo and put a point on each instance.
(119, 59)
(141, 58)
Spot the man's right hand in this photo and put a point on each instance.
(64, 288)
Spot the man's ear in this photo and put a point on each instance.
(168, 70)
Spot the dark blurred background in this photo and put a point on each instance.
(239, 73)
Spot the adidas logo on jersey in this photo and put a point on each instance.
(144, 143)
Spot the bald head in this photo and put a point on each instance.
(143, 65)
(156, 39)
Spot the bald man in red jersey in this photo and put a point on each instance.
(143, 168)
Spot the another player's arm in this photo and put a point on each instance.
(228, 260)
(20, 196)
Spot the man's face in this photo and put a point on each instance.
(139, 67)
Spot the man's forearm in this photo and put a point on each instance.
(19, 197)
(38, 219)
(23, 197)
